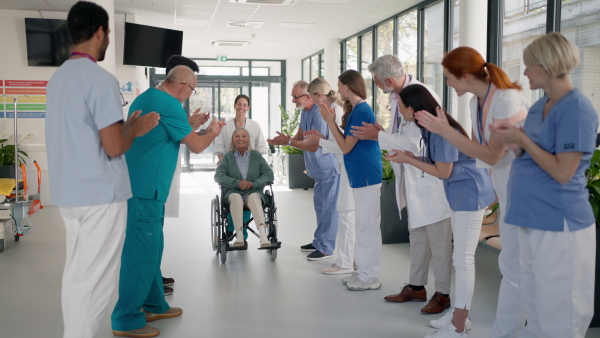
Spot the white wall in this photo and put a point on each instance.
(13, 66)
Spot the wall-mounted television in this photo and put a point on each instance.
(150, 46)
(48, 41)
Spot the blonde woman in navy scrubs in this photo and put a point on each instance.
(362, 159)
(547, 195)
(468, 190)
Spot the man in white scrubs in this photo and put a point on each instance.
(86, 139)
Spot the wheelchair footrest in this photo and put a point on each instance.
(272, 247)
(237, 248)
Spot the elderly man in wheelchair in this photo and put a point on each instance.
(243, 174)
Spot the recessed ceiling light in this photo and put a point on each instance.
(264, 2)
(230, 43)
(245, 24)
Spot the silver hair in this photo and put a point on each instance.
(232, 147)
(387, 66)
(302, 85)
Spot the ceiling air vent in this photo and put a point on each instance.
(264, 2)
(230, 43)
(245, 24)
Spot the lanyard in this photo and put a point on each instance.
(84, 55)
(235, 124)
(480, 114)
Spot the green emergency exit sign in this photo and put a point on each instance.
(221, 58)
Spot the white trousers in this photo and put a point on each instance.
(510, 313)
(432, 241)
(466, 227)
(95, 236)
(346, 239)
(368, 231)
(236, 208)
(557, 274)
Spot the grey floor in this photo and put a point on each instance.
(249, 296)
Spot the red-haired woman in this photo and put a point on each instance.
(495, 100)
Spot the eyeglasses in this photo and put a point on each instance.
(192, 88)
(297, 97)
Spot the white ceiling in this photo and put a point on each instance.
(279, 37)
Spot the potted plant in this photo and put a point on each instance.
(7, 156)
(294, 157)
(593, 185)
(393, 229)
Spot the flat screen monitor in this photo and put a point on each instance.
(48, 41)
(150, 46)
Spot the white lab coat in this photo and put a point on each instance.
(427, 202)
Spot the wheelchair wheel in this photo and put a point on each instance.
(215, 218)
(273, 253)
(223, 249)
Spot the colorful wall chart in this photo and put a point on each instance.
(31, 97)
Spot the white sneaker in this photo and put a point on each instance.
(447, 332)
(336, 270)
(359, 285)
(264, 241)
(446, 320)
(352, 277)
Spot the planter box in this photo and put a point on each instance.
(393, 229)
(295, 172)
(7, 171)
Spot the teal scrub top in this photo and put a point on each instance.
(152, 159)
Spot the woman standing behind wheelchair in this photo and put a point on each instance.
(468, 190)
(244, 173)
(547, 195)
(257, 140)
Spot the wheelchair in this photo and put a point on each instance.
(222, 235)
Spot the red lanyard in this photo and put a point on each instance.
(84, 55)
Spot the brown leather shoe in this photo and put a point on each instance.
(437, 304)
(144, 332)
(407, 294)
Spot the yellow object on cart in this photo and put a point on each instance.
(7, 185)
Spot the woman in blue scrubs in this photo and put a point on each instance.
(362, 159)
(547, 195)
(468, 190)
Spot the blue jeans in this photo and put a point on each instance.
(325, 200)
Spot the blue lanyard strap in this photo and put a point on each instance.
(480, 114)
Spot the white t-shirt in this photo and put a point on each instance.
(257, 139)
(82, 99)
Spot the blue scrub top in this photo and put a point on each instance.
(468, 188)
(535, 199)
(318, 165)
(152, 158)
(363, 162)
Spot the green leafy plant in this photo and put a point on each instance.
(7, 151)
(289, 126)
(388, 171)
(593, 183)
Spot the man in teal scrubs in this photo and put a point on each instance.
(152, 160)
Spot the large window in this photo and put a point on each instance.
(312, 66)
(579, 23)
(522, 23)
(433, 49)
(415, 35)
(352, 53)
(366, 48)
